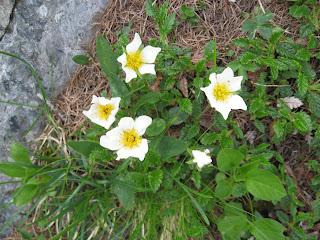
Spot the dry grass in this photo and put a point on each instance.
(219, 19)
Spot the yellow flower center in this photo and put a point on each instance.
(221, 92)
(134, 60)
(104, 111)
(130, 138)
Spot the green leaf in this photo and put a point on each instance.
(303, 83)
(81, 59)
(224, 187)
(232, 227)
(267, 229)
(125, 193)
(25, 194)
(175, 116)
(185, 105)
(106, 57)
(157, 126)
(264, 185)
(195, 203)
(150, 10)
(12, 170)
(149, 98)
(314, 103)
(229, 158)
(303, 54)
(169, 147)
(299, 11)
(19, 153)
(155, 179)
(85, 148)
(302, 122)
(110, 67)
(209, 138)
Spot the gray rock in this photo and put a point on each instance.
(47, 34)
(6, 7)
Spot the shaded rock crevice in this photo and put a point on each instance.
(7, 8)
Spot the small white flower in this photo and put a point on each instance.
(127, 139)
(221, 92)
(137, 60)
(103, 111)
(201, 158)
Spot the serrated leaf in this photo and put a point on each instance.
(81, 59)
(314, 103)
(155, 179)
(229, 158)
(299, 11)
(292, 102)
(20, 153)
(209, 138)
(264, 185)
(267, 229)
(302, 122)
(185, 105)
(303, 83)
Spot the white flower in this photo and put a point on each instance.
(201, 158)
(103, 111)
(221, 92)
(137, 60)
(127, 139)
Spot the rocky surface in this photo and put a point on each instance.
(6, 7)
(47, 34)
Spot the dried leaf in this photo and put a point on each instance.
(183, 86)
(293, 102)
(251, 136)
(156, 86)
(197, 56)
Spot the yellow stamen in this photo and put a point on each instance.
(221, 92)
(104, 111)
(130, 138)
(134, 60)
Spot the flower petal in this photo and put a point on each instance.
(135, 44)
(112, 139)
(208, 91)
(122, 59)
(147, 68)
(226, 75)
(115, 101)
(138, 152)
(235, 83)
(142, 123)
(201, 158)
(224, 109)
(149, 54)
(103, 101)
(130, 74)
(237, 102)
(213, 78)
(126, 123)
(94, 99)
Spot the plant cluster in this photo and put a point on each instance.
(163, 157)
